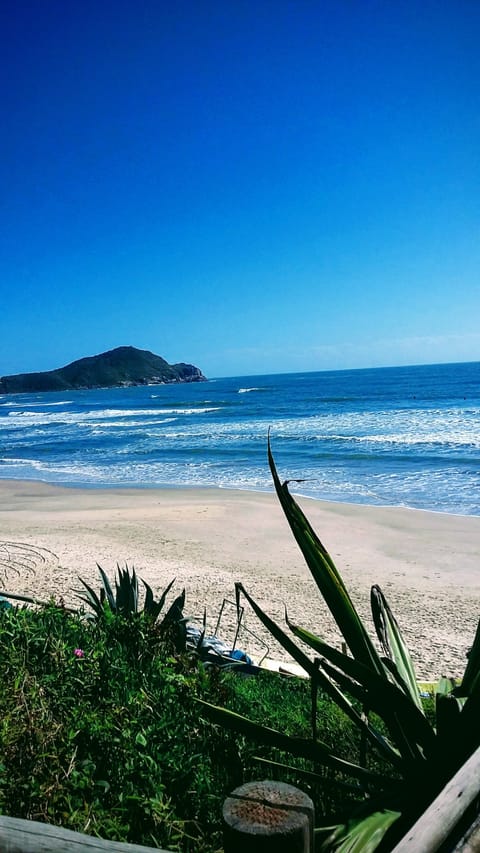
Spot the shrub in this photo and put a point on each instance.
(99, 731)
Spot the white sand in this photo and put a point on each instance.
(426, 563)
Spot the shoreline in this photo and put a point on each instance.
(180, 487)
(427, 563)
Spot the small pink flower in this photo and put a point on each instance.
(79, 653)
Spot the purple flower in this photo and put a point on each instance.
(79, 653)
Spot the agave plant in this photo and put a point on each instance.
(125, 601)
(422, 756)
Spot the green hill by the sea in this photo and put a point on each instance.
(123, 366)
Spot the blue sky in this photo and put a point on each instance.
(253, 186)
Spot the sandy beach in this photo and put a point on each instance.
(426, 563)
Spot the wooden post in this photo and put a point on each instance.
(268, 817)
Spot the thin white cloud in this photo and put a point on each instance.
(292, 356)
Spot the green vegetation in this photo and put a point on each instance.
(117, 367)
(101, 732)
(406, 757)
(283, 703)
(106, 720)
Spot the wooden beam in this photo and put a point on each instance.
(31, 836)
(441, 820)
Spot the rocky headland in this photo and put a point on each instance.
(120, 367)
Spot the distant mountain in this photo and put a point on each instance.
(123, 366)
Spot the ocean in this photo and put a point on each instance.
(400, 436)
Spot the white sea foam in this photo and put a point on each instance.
(247, 390)
(23, 419)
(88, 473)
(203, 473)
(35, 405)
(126, 424)
(30, 463)
(199, 411)
(433, 439)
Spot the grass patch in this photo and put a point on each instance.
(100, 732)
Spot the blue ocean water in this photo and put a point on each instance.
(405, 436)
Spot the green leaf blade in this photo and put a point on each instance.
(391, 639)
(327, 577)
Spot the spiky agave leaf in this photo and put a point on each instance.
(175, 611)
(447, 714)
(350, 683)
(151, 607)
(336, 596)
(315, 751)
(412, 736)
(108, 589)
(121, 595)
(327, 577)
(471, 676)
(134, 591)
(149, 604)
(397, 679)
(360, 836)
(327, 684)
(407, 725)
(279, 635)
(466, 733)
(91, 598)
(310, 776)
(127, 591)
(174, 617)
(393, 644)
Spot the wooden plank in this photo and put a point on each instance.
(470, 843)
(31, 836)
(439, 822)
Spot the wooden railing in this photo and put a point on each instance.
(277, 817)
(30, 836)
(451, 822)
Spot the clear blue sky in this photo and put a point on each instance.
(253, 186)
